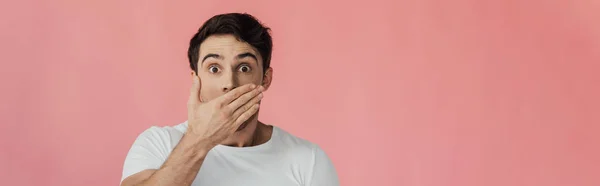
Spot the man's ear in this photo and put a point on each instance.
(267, 78)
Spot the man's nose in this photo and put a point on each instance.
(229, 82)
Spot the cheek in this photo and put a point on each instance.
(250, 78)
(209, 90)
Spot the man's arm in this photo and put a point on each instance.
(209, 123)
(180, 168)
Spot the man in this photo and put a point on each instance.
(222, 142)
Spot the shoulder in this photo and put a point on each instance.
(161, 135)
(299, 147)
(316, 165)
(165, 130)
(151, 148)
(293, 142)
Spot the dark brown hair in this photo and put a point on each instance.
(243, 26)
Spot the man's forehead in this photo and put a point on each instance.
(225, 45)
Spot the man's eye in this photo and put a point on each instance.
(244, 68)
(213, 69)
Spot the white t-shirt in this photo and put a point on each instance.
(281, 161)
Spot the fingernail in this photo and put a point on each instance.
(261, 88)
(253, 86)
(260, 96)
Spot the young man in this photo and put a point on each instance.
(223, 143)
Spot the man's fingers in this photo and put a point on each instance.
(245, 116)
(195, 90)
(244, 99)
(247, 105)
(234, 94)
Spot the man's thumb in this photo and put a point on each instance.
(195, 89)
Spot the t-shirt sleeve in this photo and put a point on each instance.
(149, 151)
(323, 172)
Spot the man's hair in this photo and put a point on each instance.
(243, 26)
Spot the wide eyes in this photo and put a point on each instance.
(242, 68)
(213, 69)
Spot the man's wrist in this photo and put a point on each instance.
(198, 143)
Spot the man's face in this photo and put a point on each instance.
(226, 63)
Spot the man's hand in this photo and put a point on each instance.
(219, 118)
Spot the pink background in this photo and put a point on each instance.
(417, 92)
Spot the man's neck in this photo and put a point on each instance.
(261, 134)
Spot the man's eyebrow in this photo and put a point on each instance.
(213, 56)
(247, 54)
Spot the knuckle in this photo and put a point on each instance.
(244, 90)
(255, 100)
(217, 105)
(246, 107)
(225, 112)
(239, 94)
(245, 98)
(253, 94)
